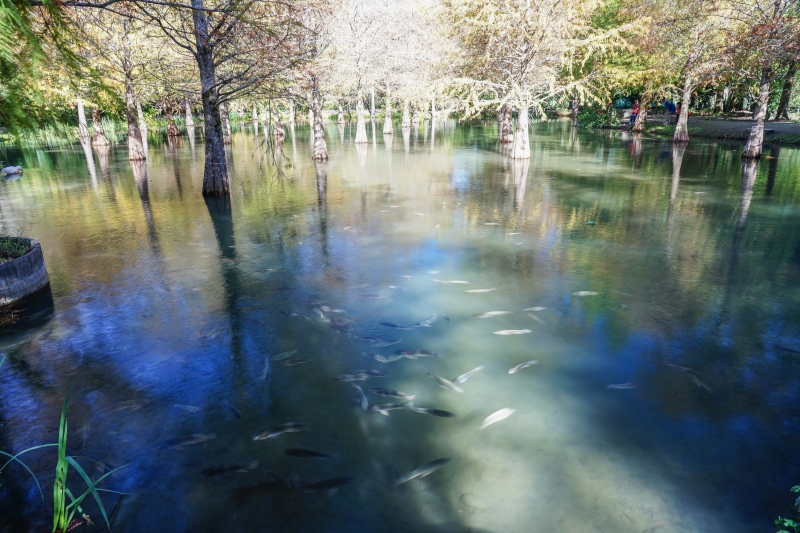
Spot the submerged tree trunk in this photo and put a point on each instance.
(406, 115)
(387, 120)
(277, 127)
(752, 149)
(320, 149)
(172, 128)
(136, 151)
(361, 127)
(433, 108)
(225, 119)
(415, 116)
(83, 128)
(255, 113)
(215, 173)
(682, 128)
(142, 124)
(99, 138)
(506, 127)
(291, 111)
(522, 143)
(264, 117)
(641, 119)
(372, 104)
(189, 117)
(786, 93)
(340, 118)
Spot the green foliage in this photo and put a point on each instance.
(12, 247)
(785, 523)
(597, 117)
(786, 138)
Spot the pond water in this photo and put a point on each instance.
(666, 334)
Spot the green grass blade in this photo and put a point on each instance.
(92, 484)
(14, 458)
(60, 522)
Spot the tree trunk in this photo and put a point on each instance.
(522, 143)
(215, 173)
(83, 128)
(136, 150)
(264, 117)
(320, 149)
(406, 115)
(172, 128)
(786, 94)
(361, 126)
(387, 119)
(255, 113)
(433, 108)
(506, 127)
(225, 119)
(189, 117)
(415, 116)
(340, 117)
(99, 138)
(641, 119)
(372, 104)
(682, 128)
(142, 124)
(277, 127)
(752, 149)
(291, 111)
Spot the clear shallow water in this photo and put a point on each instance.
(166, 309)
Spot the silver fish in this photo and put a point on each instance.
(349, 378)
(423, 471)
(391, 393)
(413, 354)
(362, 398)
(534, 309)
(284, 355)
(383, 344)
(371, 373)
(512, 332)
(445, 383)
(534, 317)
(491, 224)
(383, 407)
(481, 290)
(318, 311)
(497, 416)
(406, 277)
(513, 233)
(280, 429)
(178, 443)
(332, 310)
(190, 408)
(434, 412)
(294, 362)
(458, 282)
(489, 314)
(520, 366)
(426, 323)
(464, 377)
(381, 359)
(622, 386)
(585, 293)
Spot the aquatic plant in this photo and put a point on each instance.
(63, 512)
(597, 117)
(11, 248)
(785, 523)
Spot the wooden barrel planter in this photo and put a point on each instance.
(24, 275)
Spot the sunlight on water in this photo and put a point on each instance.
(657, 294)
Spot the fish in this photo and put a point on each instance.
(377, 357)
(319, 312)
(512, 332)
(294, 362)
(497, 416)
(179, 442)
(622, 386)
(423, 471)
(279, 479)
(416, 353)
(534, 309)
(332, 310)
(514, 233)
(420, 214)
(437, 280)
(229, 469)
(446, 318)
(293, 315)
(373, 296)
(284, 355)
(306, 453)
(383, 344)
(372, 373)
(520, 366)
(491, 224)
(445, 383)
(349, 378)
(489, 314)
(362, 398)
(534, 317)
(585, 293)
(699, 383)
(280, 429)
(393, 393)
(190, 408)
(433, 272)
(234, 411)
(458, 282)
(437, 226)
(426, 323)
(331, 484)
(396, 288)
(464, 377)
(384, 408)
(434, 412)
(393, 325)
(480, 290)
(407, 277)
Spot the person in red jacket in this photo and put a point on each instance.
(634, 112)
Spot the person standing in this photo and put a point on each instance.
(670, 110)
(634, 112)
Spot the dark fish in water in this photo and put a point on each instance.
(372, 373)
(294, 362)
(520, 366)
(445, 383)
(293, 315)
(393, 325)
(622, 386)
(426, 323)
(179, 442)
(362, 398)
(326, 484)
(234, 411)
(280, 480)
(349, 378)
(228, 469)
(433, 412)
(464, 377)
(416, 353)
(340, 328)
(446, 318)
(423, 471)
(393, 394)
(303, 452)
(280, 429)
(284, 355)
